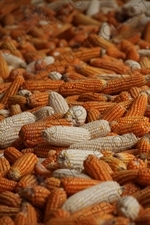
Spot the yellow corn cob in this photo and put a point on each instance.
(26, 180)
(55, 200)
(112, 143)
(76, 115)
(74, 184)
(12, 125)
(58, 103)
(125, 157)
(6, 220)
(125, 176)
(97, 193)
(94, 167)
(10, 199)
(114, 163)
(43, 112)
(138, 106)
(81, 86)
(98, 128)
(7, 185)
(145, 62)
(65, 135)
(22, 166)
(37, 195)
(8, 211)
(13, 88)
(93, 114)
(113, 113)
(12, 154)
(4, 166)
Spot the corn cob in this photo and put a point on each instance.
(81, 86)
(10, 199)
(41, 170)
(136, 164)
(55, 200)
(43, 150)
(4, 166)
(20, 218)
(22, 166)
(58, 213)
(7, 185)
(95, 168)
(143, 145)
(73, 158)
(113, 113)
(12, 154)
(112, 143)
(125, 157)
(18, 99)
(51, 183)
(143, 217)
(13, 88)
(97, 193)
(60, 173)
(138, 106)
(85, 20)
(123, 96)
(8, 211)
(143, 177)
(37, 195)
(41, 85)
(43, 112)
(26, 150)
(128, 207)
(15, 109)
(90, 96)
(26, 180)
(38, 99)
(4, 69)
(131, 119)
(130, 188)
(93, 114)
(76, 115)
(74, 184)
(65, 136)
(12, 125)
(125, 176)
(29, 210)
(114, 163)
(6, 220)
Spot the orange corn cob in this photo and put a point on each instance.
(143, 145)
(143, 196)
(12, 154)
(131, 119)
(18, 99)
(89, 53)
(26, 150)
(22, 166)
(38, 99)
(81, 18)
(51, 183)
(136, 164)
(4, 86)
(30, 212)
(97, 168)
(114, 163)
(125, 157)
(15, 109)
(135, 91)
(74, 184)
(143, 177)
(134, 39)
(143, 217)
(81, 86)
(10, 199)
(59, 213)
(7, 185)
(132, 151)
(130, 188)
(4, 166)
(20, 218)
(146, 32)
(8, 211)
(40, 170)
(13, 88)
(90, 96)
(138, 106)
(4, 69)
(73, 76)
(10, 47)
(92, 115)
(125, 176)
(144, 44)
(26, 180)
(42, 150)
(36, 194)
(123, 96)
(54, 201)
(6, 220)
(130, 50)
(18, 144)
(113, 113)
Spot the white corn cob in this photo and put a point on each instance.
(110, 4)
(65, 135)
(55, 75)
(108, 191)
(105, 31)
(113, 143)
(74, 158)
(14, 60)
(132, 64)
(77, 115)
(49, 60)
(44, 112)
(129, 207)
(58, 103)
(98, 128)
(134, 9)
(144, 52)
(10, 127)
(60, 173)
(93, 8)
(4, 112)
(25, 93)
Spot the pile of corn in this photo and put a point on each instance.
(74, 112)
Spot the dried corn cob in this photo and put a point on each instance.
(43, 112)
(143, 145)
(20, 218)
(97, 169)
(8, 211)
(98, 128)
(97, 193)
(26, 180)
(113, 113)
(15, 109)
(136, 164)
(58, 103)
(112, 143)
(130, 188)
(123, 96)
(125, 176)
(22, 166)
(7, 185)
(6, 220)
(43, 150)
(4, 166)
(125, 157)
(73, 158)
(143, 177)
(10, 199)
(76, 115)
(4, 69)
(114, 163)
(143, 217)
(18, 99)
(12, 154)
(12, 125)
(90, 96)
(93, 114)
(51, 182)
(41, 170)
(38, 99)
(65, 136)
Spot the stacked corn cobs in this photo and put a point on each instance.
(74, 112)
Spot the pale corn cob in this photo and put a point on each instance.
(76, 114)
(22, 166)
(58, 103)
(97, 168)
(6, 220)
(12, 154)
(60, 173)
(65, 136)
(24, 92)
(114, 163)
(133, 64)
(138, 106)
(7, 185)
(93, 8)
(14, 60)
(74, 184)
(128, 207)
(105, 191)
(15, 109)
(55, 75)
(12, 125)
(26, 180)
(43, 112)
(113, 113)
(10, 199)
(4, 166)
(97, 128)
(8, 211)
(81, 86)
(74, 158)
(5, 112)
(112, 143)
(124, 176)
